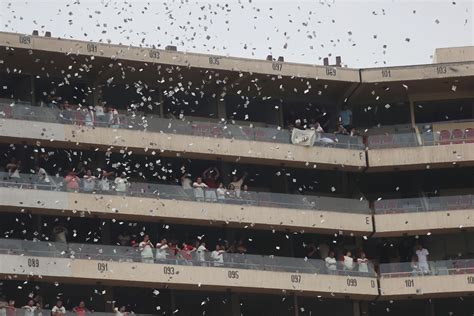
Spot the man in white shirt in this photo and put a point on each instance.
(348, 261)
(218, 256)
(58, 309)
(237, 183)
(363, 263)
(30, 309)
(162, 250)
(199, 188)
(60, 233)
(201, 253)
(121, 184)
(100, 113)
(331, 263)
(3, 306)
(146, 249)
(422, 254)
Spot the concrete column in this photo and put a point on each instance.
(430, 308)
(295, 305)
(109, 299)
(221, 110)
(364, 308)
(234, 304)
(33, 89)
(172, 300)
(412, 113)
(160, 99)
(106, 234)
(356, 308)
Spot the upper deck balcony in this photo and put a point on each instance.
(436, 145)
(440, 279)
(113, 265)
(418, 216)
(156, 202)
(70, 129)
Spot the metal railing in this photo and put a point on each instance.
(72, 115)
(176, 192)
(427, 204)
(442, 267)
(21, 311)
(426, 137)
(181, 257)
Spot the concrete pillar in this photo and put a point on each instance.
(234, 304)
(109, 299)
(430, 308)
(106, 234)
(295, 305)
(172, 300)
(356, 308)
(33, 89)
(364, 308)
(221, 110)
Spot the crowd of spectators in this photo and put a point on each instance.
(34, 307)
(208, 187)
(102, 114)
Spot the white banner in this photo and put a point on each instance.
(303, 137)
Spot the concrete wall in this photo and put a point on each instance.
(454, 54)
(427, 286)
(421, 157)
(52, 134)
(189, 277)
(414, 223)
(146, 209)
(176, 58)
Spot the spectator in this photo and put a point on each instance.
(199, 188)
(241, 248)
(3, 306)
(60, 233)
(210, 177)
(114, 118)
(237, 183)
(331, 263)
(186, 184)
(11, 309)
(105, 181)
(201, 253)
(221, 193)
(146, 249)
(311, 251)
(72, 181)
(121, 183)
(99, 113)
(218, 256)
(341, 130)
(88, 117)
(122, 311)
(124, 239)
(42, 176)
(363, 263)
(354, 132)
(348, 261)
(345, 117)
(58, 309)
(162, 250)
(422, 254)
(323, 250)
(187, 250)
(89, 181)
(81, 309)
(230, 193)
(13, 168)
(30, 308)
